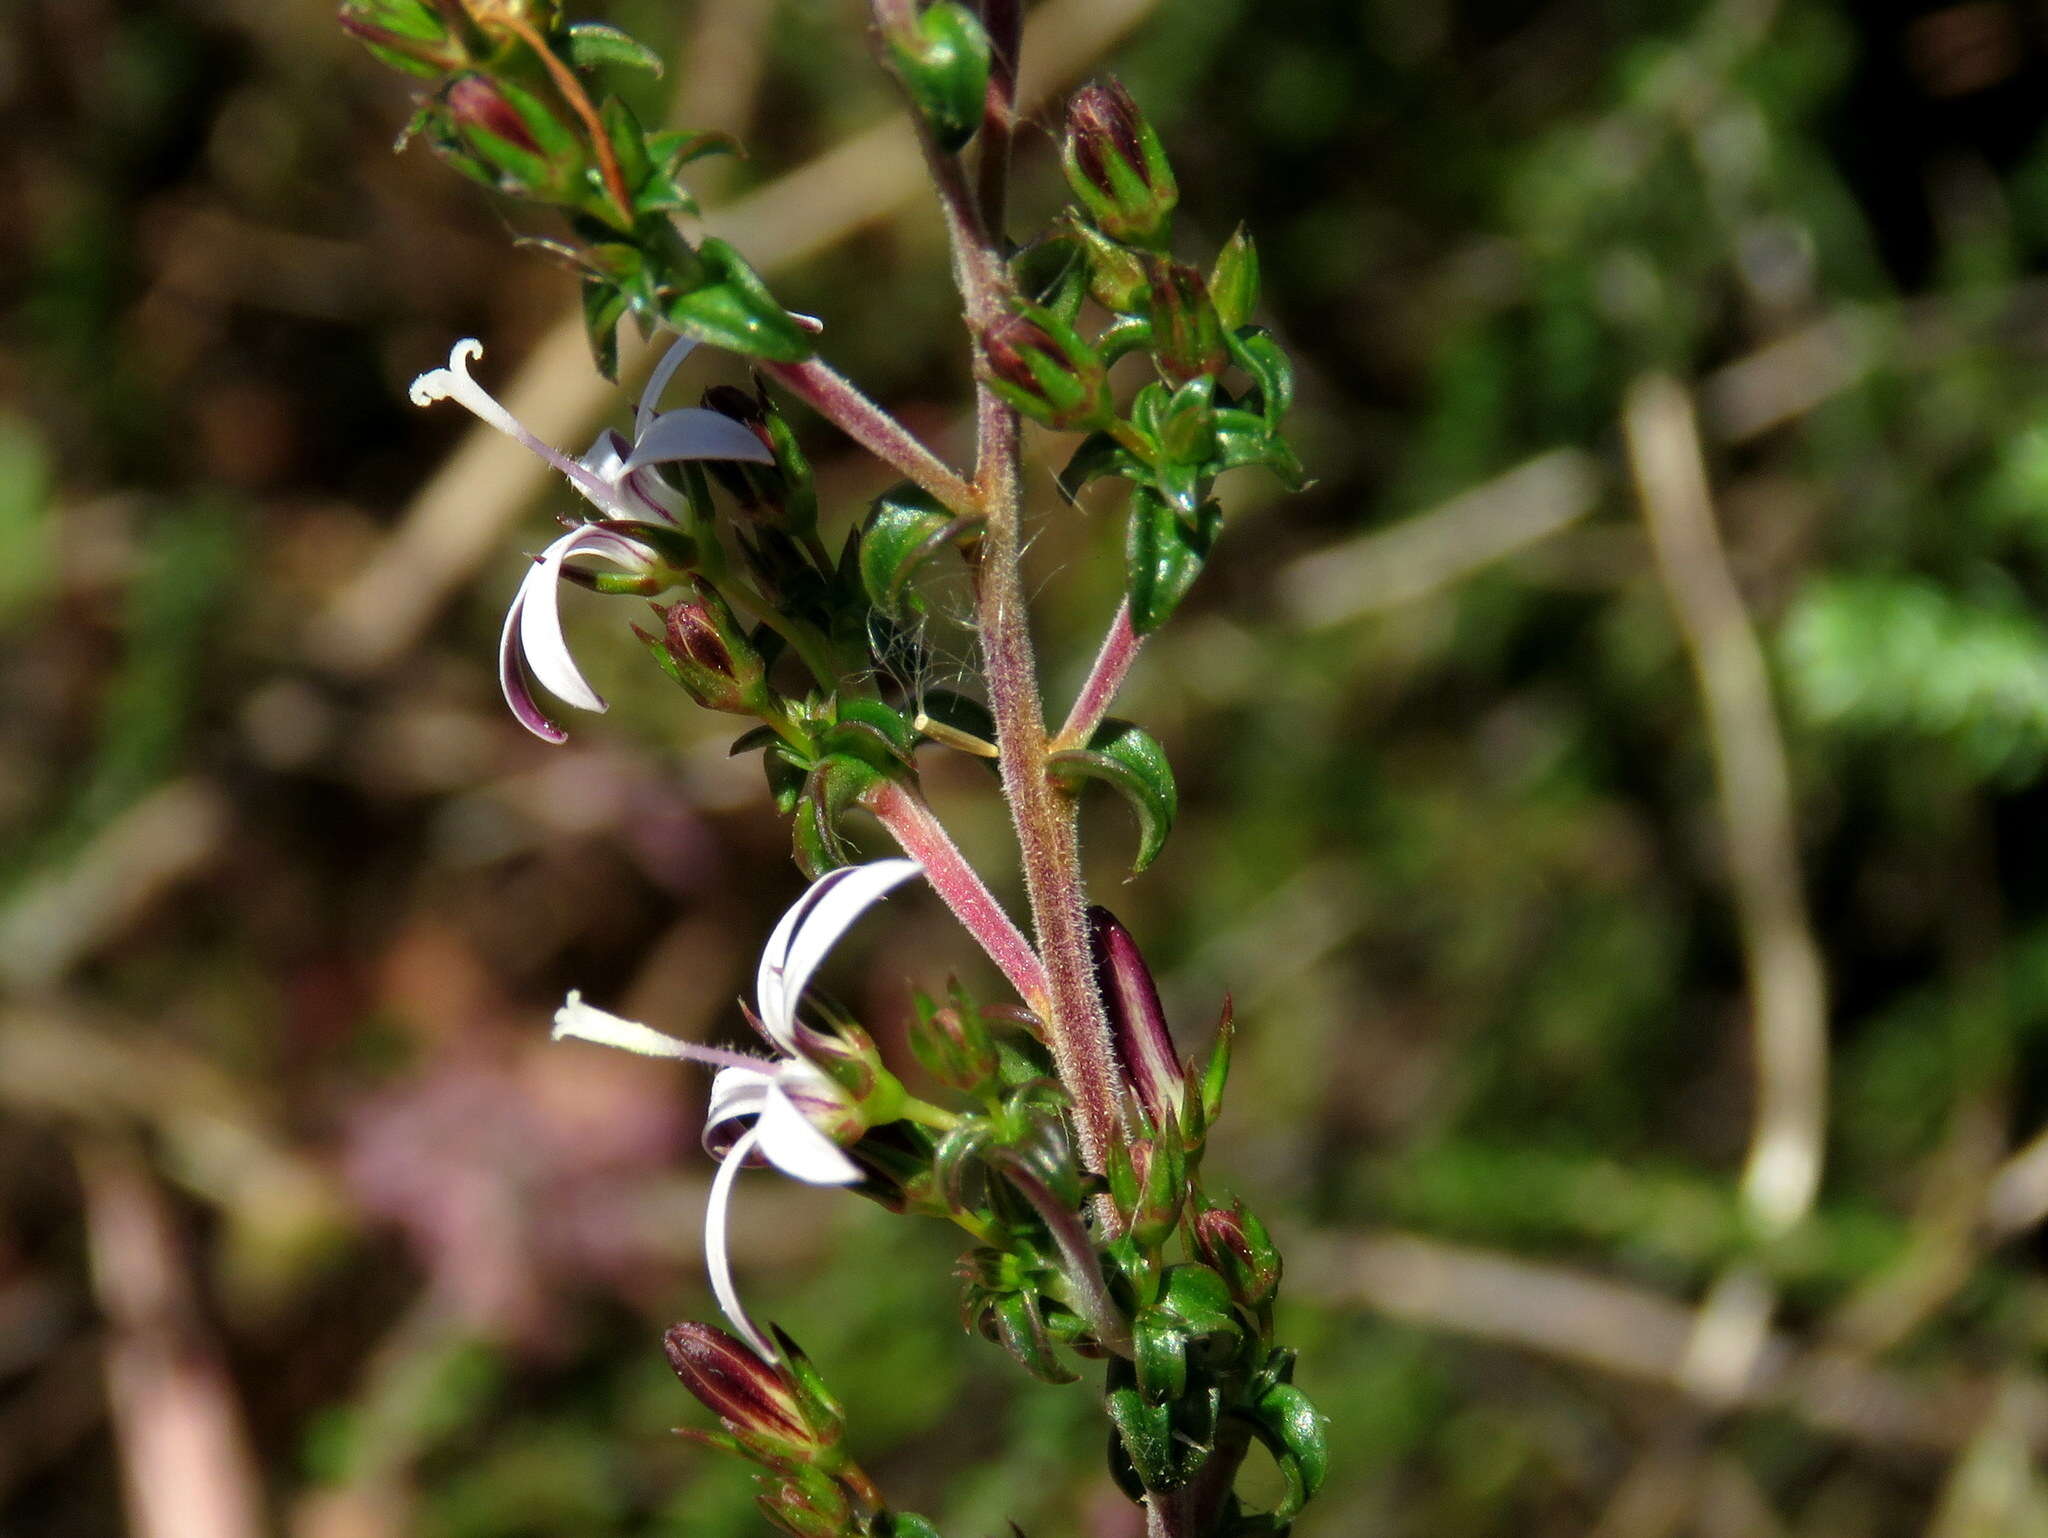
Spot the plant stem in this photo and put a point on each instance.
(1004, 21)
(833, 397)
(1047, 840)
(911, 822)
(1105, 678)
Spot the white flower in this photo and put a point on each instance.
(618, 480)
(774, 1107)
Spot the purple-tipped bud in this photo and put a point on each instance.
(505, 136)
(953, 1043)
(1234, 1244)
(1043, 367)
(749, 1397)
(1115, 165)
(408, 35)
(707, 651)
(475, 102)
(1187, 333)
(1137, 1023)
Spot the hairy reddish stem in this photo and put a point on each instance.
(835, 398)
(1105, 678)
(918, 831)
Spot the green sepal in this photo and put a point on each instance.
(905, 528)
(1154, 1211)
(1163, 554)
(1053, 273)
(733, 309)
(786, 777)
(1021, 1331)
(603, 307)
(1129, 759)
(1186, 424)
(1234, 281)
(1116, 275)
(1253, 349)
(1296, 1433)
(1216, 1072)
(1160, 1350)
(593, 44)
(1122, 1175)
(944, 66)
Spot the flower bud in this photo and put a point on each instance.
(408, 35)
(1116, 166)
(750, 1398)
(806, 1504)
(953, 1043)
(506, 137)
(943, 60)
(1236, 1245)
(1041, 365)
(708, 653)
(1137, 1022)
(1187, 333)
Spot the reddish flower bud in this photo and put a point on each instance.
(747, 1394)
(704, 648)
(1187, 333)
(1043, 367)
(1115, 165)
(1237, 1247)
(1137, 1022)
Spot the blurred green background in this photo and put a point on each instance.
(305, 1228)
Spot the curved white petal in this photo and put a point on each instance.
(736, 1093)
(540, 615)
(606, 456)
(808, 931)
(664, 371)
(512, 677)
(717, 1253)
(696, 432)
(798, 1149)
(540, 628)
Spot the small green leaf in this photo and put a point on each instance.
(1296, 1433)
(593, 44)
(734, 310)
(1162, 1357)
(1022, 1332)
(944, 65)
(1253, 349)
(906, 527)
(1130, 759)
(1163, 554)
(1099, 454)
(832, 787)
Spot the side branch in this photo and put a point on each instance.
(835, 398)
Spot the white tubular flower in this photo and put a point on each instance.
(617, 479)
(786, 1108)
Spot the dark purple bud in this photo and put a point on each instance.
(1115, 165)
(746, 1393)
(1234, 1244)
(1137, 1022)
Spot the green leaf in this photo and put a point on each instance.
(1162, 1356)
(593, 44)
(1098, 455)
(832, 787)
(906, 527)
(734, 310)
(1295, 1431)
(1163, 554)
(1144, 1431)
(1130, 759)
(1253, 349)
